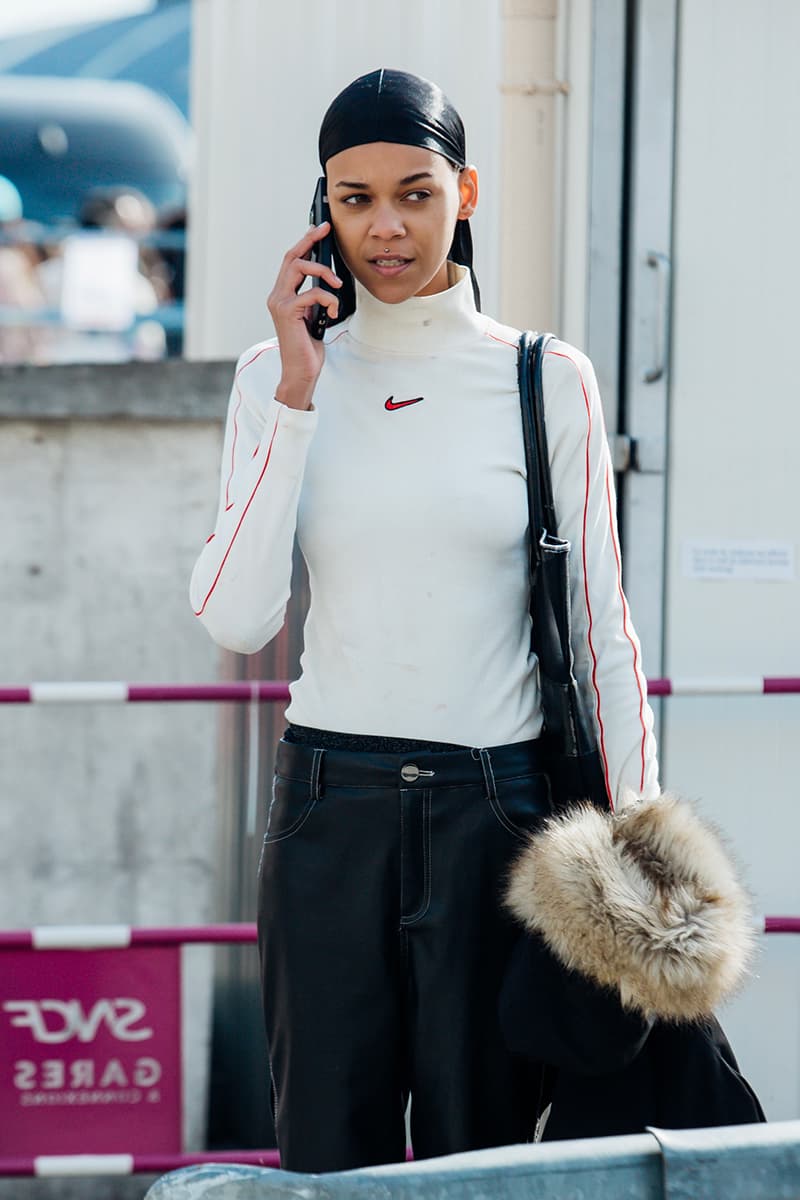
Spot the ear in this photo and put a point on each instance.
(467, 192)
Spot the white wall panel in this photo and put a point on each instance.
(735, 428)
(263, 73)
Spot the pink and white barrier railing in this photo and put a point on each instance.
(49, 1165)
(109, 939)
(115, 692)
(86, 963)
(122, 937)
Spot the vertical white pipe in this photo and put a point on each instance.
(573, 168)
(528, 242)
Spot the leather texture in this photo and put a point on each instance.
(574, 761)
(618, 1071)
(383, 944)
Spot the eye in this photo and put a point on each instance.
(417, 196)
(356, 199)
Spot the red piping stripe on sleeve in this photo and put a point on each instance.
(258, 354)
(199, 612)
(503, 342)
(587, 479)
(626, 625)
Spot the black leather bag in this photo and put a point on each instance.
(573, 759)
(659, 1057)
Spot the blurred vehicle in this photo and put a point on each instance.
(67, 144)
(150, 47)
(62, 138)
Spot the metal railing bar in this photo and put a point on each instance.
(122, 937)
(117, 691)
(85, 1165)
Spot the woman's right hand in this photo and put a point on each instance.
(301, 355)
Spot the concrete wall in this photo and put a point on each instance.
(108, 482)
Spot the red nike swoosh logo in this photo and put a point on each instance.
(392, 404)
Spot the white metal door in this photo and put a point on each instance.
(734, 432)
(711, 543)
(646, 307)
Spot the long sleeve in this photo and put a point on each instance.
(608, 660)
(240, 583)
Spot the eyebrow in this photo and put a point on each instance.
(349, 183)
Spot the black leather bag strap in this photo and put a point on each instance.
(538, 351)
(541, 508)
(574, 759)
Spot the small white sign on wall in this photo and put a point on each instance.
(731, 559)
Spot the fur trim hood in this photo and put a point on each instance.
(645, 902)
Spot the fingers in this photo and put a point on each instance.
(318, 295)
(301, 354)
(303, 248)
(304, 268)
(286, 307)
(297, 267)
(286, 302)
(315, 233)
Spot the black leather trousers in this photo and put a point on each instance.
(383, 944)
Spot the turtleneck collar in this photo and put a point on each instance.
(419, 325)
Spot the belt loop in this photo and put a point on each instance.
(315, 787)
(488, 774)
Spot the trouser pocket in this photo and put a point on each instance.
(291, 805)
(519, 804)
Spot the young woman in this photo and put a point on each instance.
(410, 771)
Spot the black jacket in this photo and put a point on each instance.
(617, 1071)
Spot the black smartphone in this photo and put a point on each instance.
(322, 252)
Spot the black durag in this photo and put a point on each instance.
(393, 106)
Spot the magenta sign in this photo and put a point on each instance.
(90, 1051)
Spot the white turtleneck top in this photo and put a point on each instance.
(405, 485)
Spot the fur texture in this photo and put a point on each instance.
(645, 902)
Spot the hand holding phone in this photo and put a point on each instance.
(298, 316)
(321, 252)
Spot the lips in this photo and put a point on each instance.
(389, 265)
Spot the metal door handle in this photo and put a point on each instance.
(661, 265)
